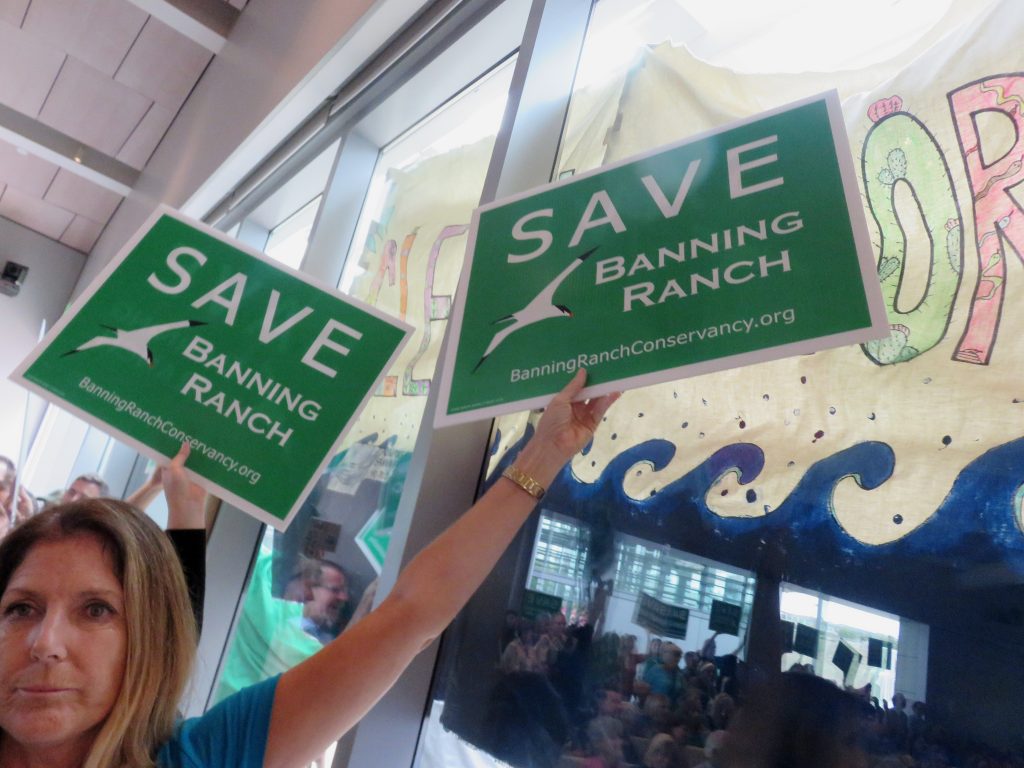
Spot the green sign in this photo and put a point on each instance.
(661, 618)
(742, 245)
(186, 337)
(806, 641)
(539, 604)
(374, 538)
(725, 617)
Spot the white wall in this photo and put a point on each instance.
(53, 271)
(282, 59)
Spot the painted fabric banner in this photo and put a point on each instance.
(725, 249)
(880, 437)
(886, 475)
(186, 337)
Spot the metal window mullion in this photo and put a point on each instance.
(426, 36)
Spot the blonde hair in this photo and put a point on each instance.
(161, 630)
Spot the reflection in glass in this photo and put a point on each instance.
(313, 581)
(856, 512)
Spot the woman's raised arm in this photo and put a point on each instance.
(321, 698)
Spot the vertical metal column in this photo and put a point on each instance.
(338, 216)
(445, 467)
(234, 539)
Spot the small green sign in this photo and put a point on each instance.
(745, 244)
(539, 604)
(725, 617)
(186, 337)
(661, 618)
(374, 538)
(806, 641)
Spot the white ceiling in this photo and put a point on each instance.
(87, 90)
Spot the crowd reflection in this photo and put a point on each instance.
(572, 698)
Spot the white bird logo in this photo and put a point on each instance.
(136, 341)
(542, 307)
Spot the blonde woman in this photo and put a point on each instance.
(97, 636)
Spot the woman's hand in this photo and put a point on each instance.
(26, 505)
(564, 430)
(186, 501)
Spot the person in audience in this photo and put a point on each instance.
(667, 678)
(709, 649)
(693, 712)
(12, 510)
(627, 662)
(96, 640)
(510, 630)
(690, 661)
(796, 721)
(653, 657)
(662, 752)
(604, 735)
(713, 748)
(8, 479)
(706, 682)
(655, 716)
(518, 654)
(87, 486)
(323, 613)
(897, 725)
(720, 711)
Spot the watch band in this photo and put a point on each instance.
(524, 481)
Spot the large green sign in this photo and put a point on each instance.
(188, 337)
(742, 245)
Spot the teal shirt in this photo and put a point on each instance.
(233, 733)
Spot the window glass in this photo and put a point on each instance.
(850, 509)
(311, 582)
(288, 240)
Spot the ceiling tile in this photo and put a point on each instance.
(29, 68)
(34, 213)
(75, 194)
(92, 108)
(98, 32)
(28, 173)
(13, 11)
(82, 234)
(140, 145)
(163, 65)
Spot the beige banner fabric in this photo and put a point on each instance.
(937, 138)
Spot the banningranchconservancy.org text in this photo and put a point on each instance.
(167, 427)
(647, 346)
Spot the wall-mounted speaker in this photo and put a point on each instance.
(12, 278)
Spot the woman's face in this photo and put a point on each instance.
(63, 645)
